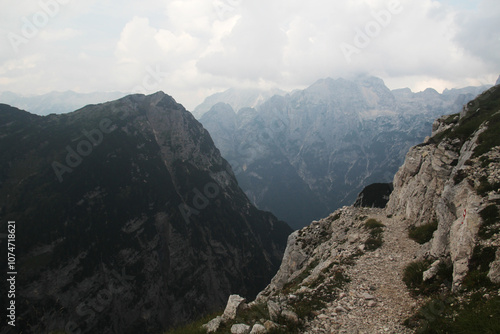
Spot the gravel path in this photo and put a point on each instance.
(376, 299)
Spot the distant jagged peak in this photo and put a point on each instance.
(430, 91)
(222, 107)
(237, 98)
(402, 92)
(366, 92)
(370, 80)
(220, 112)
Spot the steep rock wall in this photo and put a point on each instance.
(439, 182)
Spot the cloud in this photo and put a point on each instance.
(138, 42)
(395, 39)
(479, 32)
(206, 46)
(58, 35)
(192, 16)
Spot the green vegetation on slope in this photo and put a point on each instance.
(485, 108)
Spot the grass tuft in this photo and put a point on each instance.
(413, 275)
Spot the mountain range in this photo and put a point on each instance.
(56, 102)
(304, 154)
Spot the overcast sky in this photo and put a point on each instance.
(193, 48)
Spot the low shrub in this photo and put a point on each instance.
(413, 275)
(375, 239)
(485, 187)
(373, 223)
(423, 233)
(445, 314)
(490, 217)
(479, 266)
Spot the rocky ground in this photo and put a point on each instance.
(343, 285)
(376, 299)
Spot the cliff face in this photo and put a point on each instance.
(345, 272)
(128, 219)
(451, 179)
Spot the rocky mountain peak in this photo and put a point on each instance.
(222, 110)
(430, 92)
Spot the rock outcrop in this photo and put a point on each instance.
(440, 181)
(335, 277)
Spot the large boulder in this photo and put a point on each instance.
(234, 304)
(213, 325)
(240, 329)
